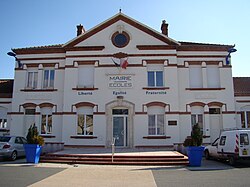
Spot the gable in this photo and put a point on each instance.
(128, 22)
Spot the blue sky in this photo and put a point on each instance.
(26, 23)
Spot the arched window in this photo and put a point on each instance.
(85, 120)
(156, 120)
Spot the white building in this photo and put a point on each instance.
(84, 93)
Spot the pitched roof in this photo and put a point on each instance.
(179, 45)
(6, 88)
(241, 86)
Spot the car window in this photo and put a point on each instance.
(244, 139)
(24, 140)
(223, 140)
(4, 139)
(18, 140)
(215, 143)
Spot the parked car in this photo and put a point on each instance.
(232, 145)
(12, 147)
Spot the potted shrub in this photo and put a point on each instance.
(193, 146)
(34, 145)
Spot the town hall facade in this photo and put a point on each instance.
(123, 80)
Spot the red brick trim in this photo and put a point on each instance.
(197, 104)
(50, 105)
(85, 89)
(243, 101)
(156, 137)
(156, 103)
(219, 104)
(82, 104)
(155, 61)
(83, 137)
(206, 89)
(85, 62)
(38, 90)
(31, 105)
(155, 88)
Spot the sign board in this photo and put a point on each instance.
(120, 81)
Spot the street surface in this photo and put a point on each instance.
(212, 173)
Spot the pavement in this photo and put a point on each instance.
(48, 174)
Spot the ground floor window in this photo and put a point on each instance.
(85, 124)
(156, 124)
(197, 118)
(46, 126)
(3, 123)
(245, 119)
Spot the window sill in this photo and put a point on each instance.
(156, 137)
(83, 137)
(206, 89)
(155, 88)
(47, 136)
(38, 90)
(85, 89)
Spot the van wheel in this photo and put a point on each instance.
(232, 161)
(207, 156)
(13, 155)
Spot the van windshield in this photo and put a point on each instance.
(244, 139)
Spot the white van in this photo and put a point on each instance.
(232, 145)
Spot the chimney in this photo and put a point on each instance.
(80, 29)
(164, 28)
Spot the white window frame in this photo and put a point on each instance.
(90, 81)
(195, 76)
(3, 123)
(245, 120)
(34, 79)
(197, 116)
(49, 84)
(157, 125)
(85, 111)
(48, 127)
(154, 68)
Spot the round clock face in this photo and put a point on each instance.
(120, 39)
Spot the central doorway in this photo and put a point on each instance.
(120, 127)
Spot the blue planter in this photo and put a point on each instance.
(32, 152)
(195, 155)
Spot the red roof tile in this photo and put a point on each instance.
(241, 86)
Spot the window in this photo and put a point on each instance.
(85, 121)
(214, 110)
(46, 124)
(156, 124)
(197, 116)
(3, 123)
(223, 140)
(213, 76)
(244, 139)
(245, 119)
(48, 78)
(155, 75)
(195, 76)
(30, 111)
(86, 76)
(120, 39)
(32, 80)
(85, 124)
(46, 120)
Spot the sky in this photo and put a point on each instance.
(27, 23)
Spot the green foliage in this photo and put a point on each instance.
(196, 137)
(33, 136)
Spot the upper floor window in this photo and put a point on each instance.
(195, 76)
(32, 79)
(155, 75)
(3, 118)
(245, 119)
(48, 78)
(86, 76)
(213, 76)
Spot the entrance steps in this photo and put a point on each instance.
(163, 158)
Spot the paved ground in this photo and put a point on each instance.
(212, 173)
